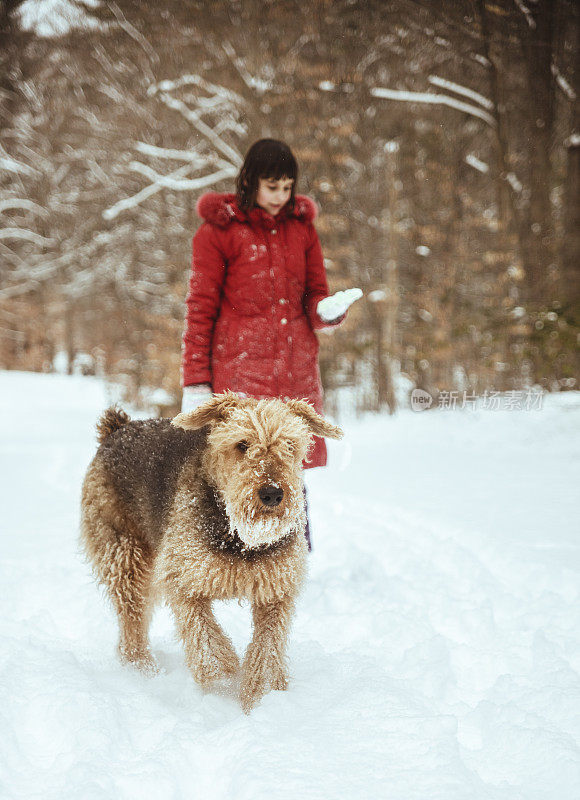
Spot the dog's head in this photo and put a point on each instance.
(254, 457)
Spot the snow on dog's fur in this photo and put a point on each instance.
(208, 506)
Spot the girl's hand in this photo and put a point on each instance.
(194, 396)
(335, 306)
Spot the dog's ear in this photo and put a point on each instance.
(214, 410)
(315, 422)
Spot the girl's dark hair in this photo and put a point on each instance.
(266, 158)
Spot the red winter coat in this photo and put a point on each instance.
(251, 308)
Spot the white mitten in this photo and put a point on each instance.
(337, 304)
(194, 396)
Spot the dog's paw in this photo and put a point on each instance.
(249, 697)
(257, 682)
(254, 684)
(279, 681)
(149, 667)
(142, 660)
(212, 668)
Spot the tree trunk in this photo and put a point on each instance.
(539, 239)
(535, 226)
(571, 244)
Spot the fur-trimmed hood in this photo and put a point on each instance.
(221, 209)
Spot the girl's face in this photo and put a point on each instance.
(273, 194)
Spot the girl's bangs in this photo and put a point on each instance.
(282, 167)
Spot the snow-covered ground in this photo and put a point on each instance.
(435, 653)
(56, 17)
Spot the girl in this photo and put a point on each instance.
(257, 289)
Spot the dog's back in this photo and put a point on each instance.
(141, 460)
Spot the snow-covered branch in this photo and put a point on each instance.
(476, 163)
(170, 181)
(527, 13)
(229, 124)
(196, 80)
(220, 98)
(25, 235)
(514, 182)
(563, 83)
(8, 255)
(27, 205)
(181, 185)
(251, 82)
(148, 191)
(435, 99)
(12, 165)
(176, 155)
(193, 117)
(442, 83)
(132, 31)
(47, 269)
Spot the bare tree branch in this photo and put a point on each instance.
(436, 99)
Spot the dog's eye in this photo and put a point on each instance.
(242, 447)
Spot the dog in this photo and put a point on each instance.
(207, 506)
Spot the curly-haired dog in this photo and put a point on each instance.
(207, 506)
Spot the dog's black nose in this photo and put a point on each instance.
(271, 495)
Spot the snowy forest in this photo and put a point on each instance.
(434, 653)
(439, 139)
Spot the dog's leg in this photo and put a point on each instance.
(131, 592)
(122, 563)
(124, 566)
(209, 652)
(265, 660)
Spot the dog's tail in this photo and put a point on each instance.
(112, 420)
